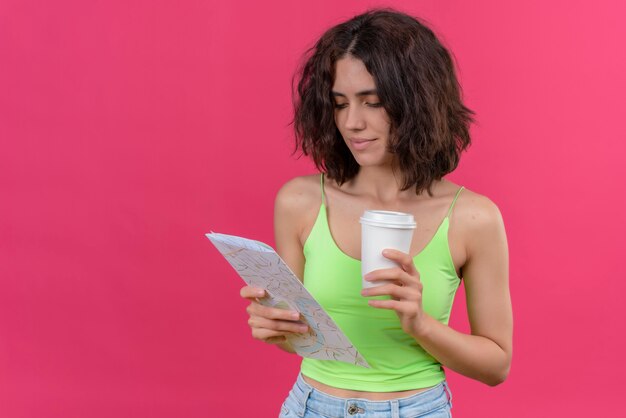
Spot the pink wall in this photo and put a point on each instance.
(128, 129)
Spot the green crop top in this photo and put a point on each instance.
(397, 362)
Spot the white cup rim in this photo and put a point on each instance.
(388, 219)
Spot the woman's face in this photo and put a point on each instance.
(359, 116)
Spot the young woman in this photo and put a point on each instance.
(378, 109)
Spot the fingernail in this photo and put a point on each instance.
(295, 315)
(259, 293)
(385, 252)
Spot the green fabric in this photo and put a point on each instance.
(397, 361)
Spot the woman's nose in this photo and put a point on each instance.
(354, 118)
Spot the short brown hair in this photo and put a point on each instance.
(417, 86)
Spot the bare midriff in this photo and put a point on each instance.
(372, 396)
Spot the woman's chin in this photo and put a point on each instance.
(372, 160)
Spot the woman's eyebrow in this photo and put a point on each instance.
(361, 93)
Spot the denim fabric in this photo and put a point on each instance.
(304, 401)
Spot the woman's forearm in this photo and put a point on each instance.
(473, 356)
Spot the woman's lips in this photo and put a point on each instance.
(361, 143)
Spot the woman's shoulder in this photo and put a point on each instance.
(300, 192)
(477, 207)
(299, 199)
(477, 215)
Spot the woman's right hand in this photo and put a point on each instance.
(270, 325)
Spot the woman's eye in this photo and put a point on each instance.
(342, 105)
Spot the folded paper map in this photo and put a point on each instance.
(260, 266)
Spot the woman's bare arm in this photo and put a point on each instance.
(273, 325)
(485, 355)
(293, 203)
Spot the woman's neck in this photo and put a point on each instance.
(380, 183)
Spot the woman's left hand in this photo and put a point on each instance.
(405, 289)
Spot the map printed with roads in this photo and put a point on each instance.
(260, 266)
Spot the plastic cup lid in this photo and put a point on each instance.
(388, 219)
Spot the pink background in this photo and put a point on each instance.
(128, 129)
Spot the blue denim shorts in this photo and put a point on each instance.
(304, 401)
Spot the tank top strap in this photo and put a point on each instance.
(454, 201)
(322, 188)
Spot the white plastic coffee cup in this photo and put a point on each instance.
(382, 229)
